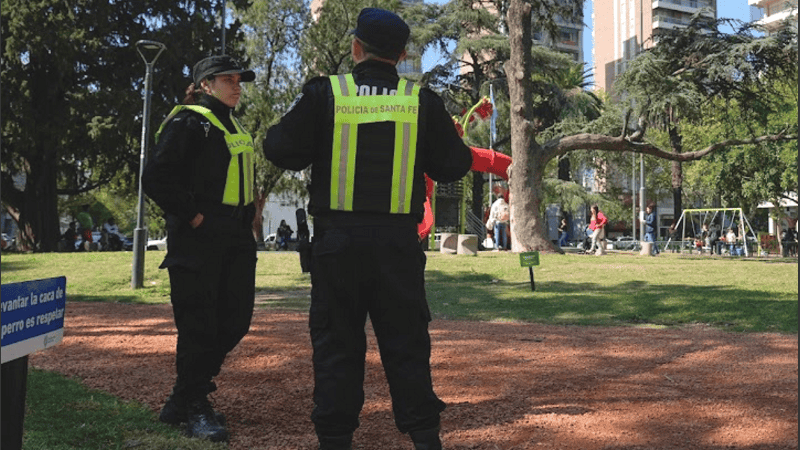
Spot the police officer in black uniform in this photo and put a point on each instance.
(201, 175)
(370, 137)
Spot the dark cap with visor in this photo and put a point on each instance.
(220, 65)
(383, 30)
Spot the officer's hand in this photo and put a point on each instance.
(197, 221)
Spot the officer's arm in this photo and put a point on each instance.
(166, 177)
(446, 157)
(291, 143)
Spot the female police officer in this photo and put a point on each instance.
(369, 137)
(201, 176)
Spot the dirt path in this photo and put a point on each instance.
(507, 386)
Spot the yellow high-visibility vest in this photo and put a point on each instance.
(351, 110)
(241, 169)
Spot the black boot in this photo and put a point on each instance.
(174, 411)
(344, 442)
(426, 439)
(201, 422)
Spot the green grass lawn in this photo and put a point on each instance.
(62, 414)
(734, 293)
(737, 294)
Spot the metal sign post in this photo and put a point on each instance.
(529, 259)
(140, 233)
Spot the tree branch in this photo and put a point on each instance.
(86, 188)
(586, 141)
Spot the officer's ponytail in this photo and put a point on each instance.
(194, 91)
(192, 95)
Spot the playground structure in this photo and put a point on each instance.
(483, 160)
(688, 216)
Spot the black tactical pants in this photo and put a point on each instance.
(212, 300)
(377, 271)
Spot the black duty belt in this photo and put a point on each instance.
(355, 220)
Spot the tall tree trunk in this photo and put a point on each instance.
(39, 220)
(259, 200)
(527, 227)
(676, 142)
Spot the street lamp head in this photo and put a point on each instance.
(149, 47)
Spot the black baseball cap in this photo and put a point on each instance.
(383, 30)
(220, 65)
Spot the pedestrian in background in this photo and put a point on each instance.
(70, 237)
(499, 218)
(730, 240)
(201, 176)
(562, 233)
(86, 223)
(367, 195)
(598, 226)
(284, 234)
(650, 229)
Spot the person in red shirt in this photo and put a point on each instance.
(598, 226)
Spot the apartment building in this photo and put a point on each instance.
(570, 37)
(622, 28)
(772, 14)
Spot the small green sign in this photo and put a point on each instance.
(529, 259)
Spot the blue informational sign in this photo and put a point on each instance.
(32, 316)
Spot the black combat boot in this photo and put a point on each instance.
(174, 410)
(344, 442)
(426, 439)
(201, 421)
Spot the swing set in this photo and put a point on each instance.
(688, 215)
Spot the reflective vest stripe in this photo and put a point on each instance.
(350, 110)
(241, 171)
(246, 167)
(404, 156)
(342, 168)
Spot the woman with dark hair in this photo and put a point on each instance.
(201, 175)
(284, 234)
(562, 233)
(598, 227)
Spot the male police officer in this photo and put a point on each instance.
(369, 137)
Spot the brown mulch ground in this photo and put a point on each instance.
(507, 386)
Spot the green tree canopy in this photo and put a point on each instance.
(72, 83)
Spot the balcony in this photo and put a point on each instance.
(686, 6)
(666, 22)
(775, 20)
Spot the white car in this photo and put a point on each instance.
(157, 244)
(271, 242)
(625, 243)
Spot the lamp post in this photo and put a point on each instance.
(140, 233)
(642, 202)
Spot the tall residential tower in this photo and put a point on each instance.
(622, 28)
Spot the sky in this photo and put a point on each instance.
(730, 9)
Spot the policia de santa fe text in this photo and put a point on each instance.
(201, 175)
(369, 137)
